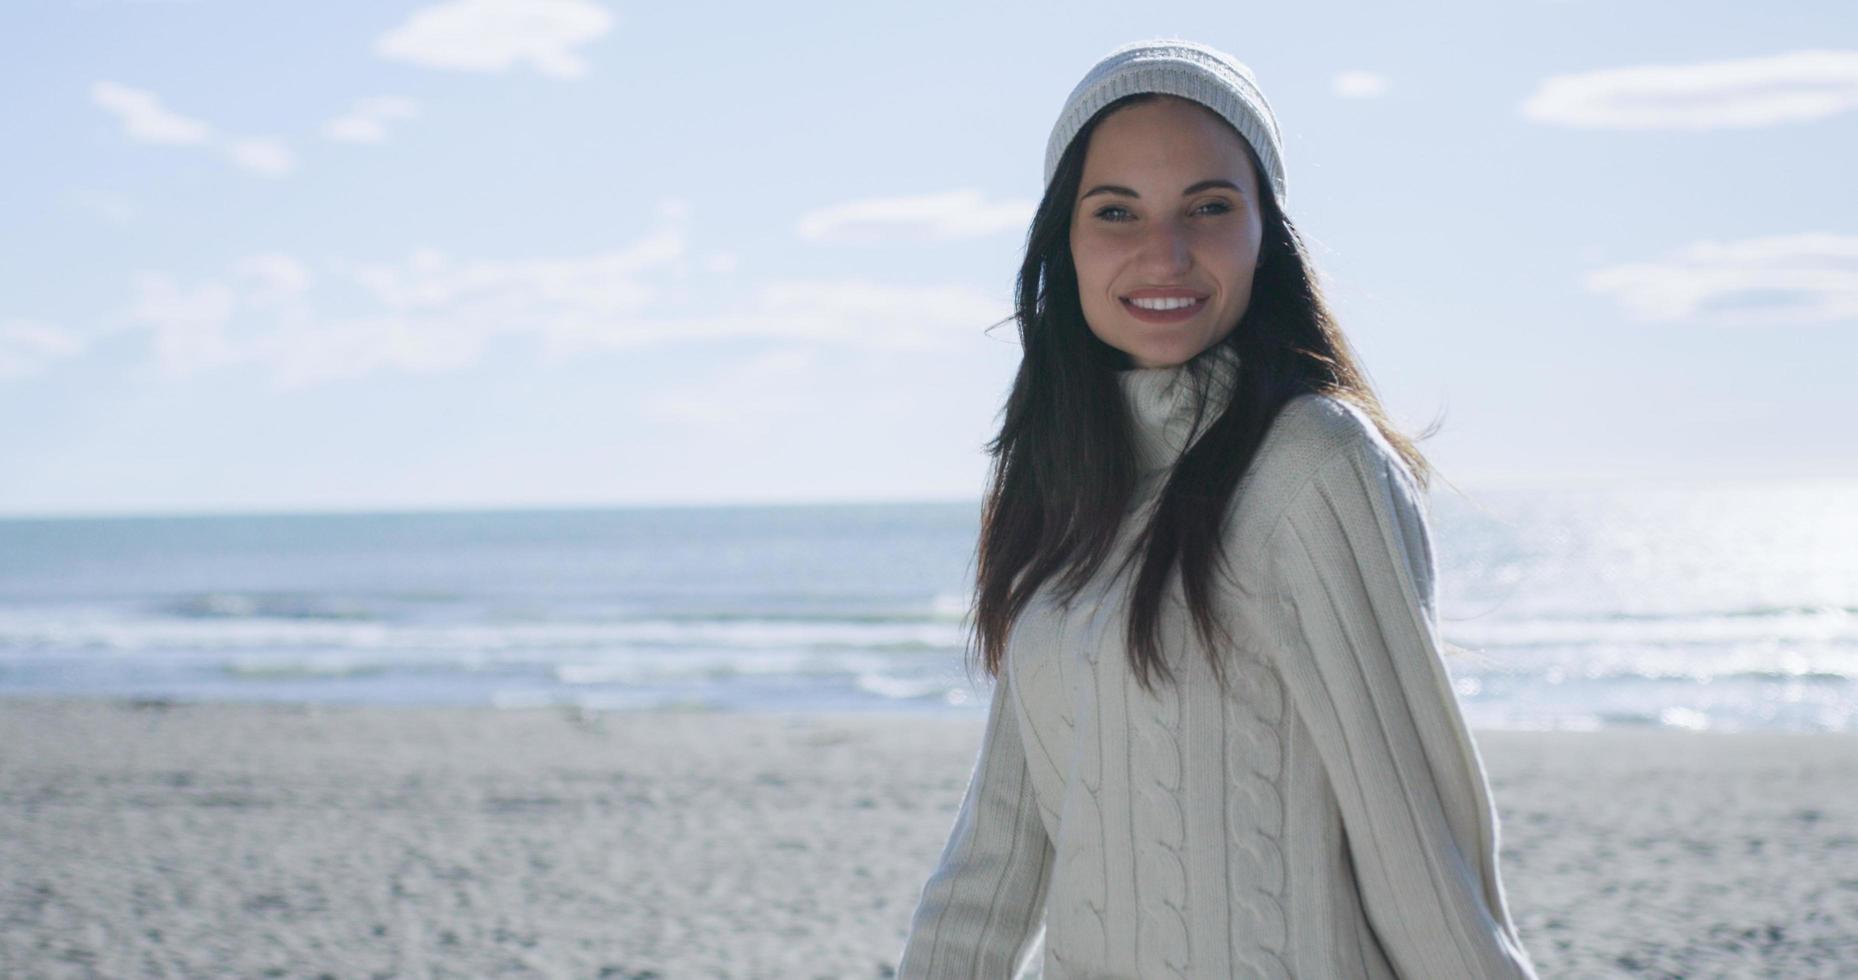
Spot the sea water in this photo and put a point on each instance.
(1698, 607)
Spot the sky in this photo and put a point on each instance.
(333, 256)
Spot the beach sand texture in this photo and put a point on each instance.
(158, 839)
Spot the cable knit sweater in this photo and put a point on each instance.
(1329, 817)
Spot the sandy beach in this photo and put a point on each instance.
(161, 839)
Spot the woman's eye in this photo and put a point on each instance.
(1118, 214)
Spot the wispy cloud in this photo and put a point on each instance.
(1780, 279)
(188, 324)
(1794, 87)
(852, 312)
(933, 217)
(28, 347)
(498, 35)
(1358, 85)
(265, 156)
(427, 313)
(366, 121)
(146, 120)
(304, 323)
(272, 279)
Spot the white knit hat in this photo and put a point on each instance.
(1187, 69)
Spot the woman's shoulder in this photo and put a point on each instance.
(1311, 434)
(1315, 426)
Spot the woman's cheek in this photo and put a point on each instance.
(1090, 267)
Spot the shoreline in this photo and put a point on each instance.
(153, 837)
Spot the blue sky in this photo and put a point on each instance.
(289, 256)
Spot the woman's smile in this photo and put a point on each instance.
(1164, 311)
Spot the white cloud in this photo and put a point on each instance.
(366, 121)
(303, 349)
(498, 35)
(1794, 87)
(1358, 85)
(954, 214)
(865, 313)
(604, 284)
(1780, 279)
(268, 157)
(27, 347)
(145, 119)
(274, 279)
(263, 315)
(189, 324)
(430, 311)
(851, 312)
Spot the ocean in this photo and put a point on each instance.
(1722, 608)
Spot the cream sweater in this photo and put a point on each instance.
(1328, 818)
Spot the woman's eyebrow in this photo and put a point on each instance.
(1192, 189)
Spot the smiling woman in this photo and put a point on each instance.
(1222, 740)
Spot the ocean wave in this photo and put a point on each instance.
(267, 605)
(118, 633)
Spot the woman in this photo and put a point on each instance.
(1222, 740)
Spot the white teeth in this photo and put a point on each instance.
(1164, 304)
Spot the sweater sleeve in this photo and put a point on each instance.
(1351, 567)
(977, 912)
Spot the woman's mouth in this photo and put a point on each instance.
(1179, 311)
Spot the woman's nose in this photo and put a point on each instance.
(1166, 247)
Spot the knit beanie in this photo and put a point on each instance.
(1188, 69)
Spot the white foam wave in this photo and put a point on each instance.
(122, 633)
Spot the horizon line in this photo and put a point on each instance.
(1488, 485)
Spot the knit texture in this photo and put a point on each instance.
(1190, 70)
(1328, 817)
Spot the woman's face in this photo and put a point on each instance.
(1167, 210)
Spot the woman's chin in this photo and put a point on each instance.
(1161, 355)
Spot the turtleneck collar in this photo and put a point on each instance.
(1161, 405)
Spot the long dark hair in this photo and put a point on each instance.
(1063, 463)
